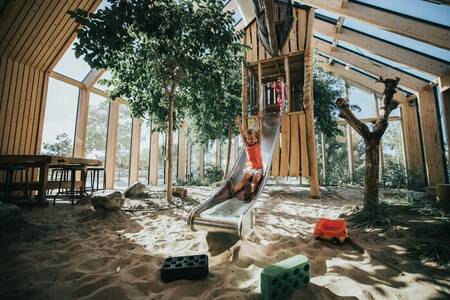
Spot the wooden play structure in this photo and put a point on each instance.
(295, 150)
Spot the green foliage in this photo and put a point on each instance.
(326, 89)
(62, 146)
(213, 174)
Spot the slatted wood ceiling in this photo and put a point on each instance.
(34, 34)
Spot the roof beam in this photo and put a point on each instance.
(390, 21)
(370, 66)
(445, 82)
(384, 49)
(92, 77)
(359, 79)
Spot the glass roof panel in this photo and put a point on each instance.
(106, 75)
(415, 8)
(71, 66)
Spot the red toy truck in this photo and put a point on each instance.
(332, 230)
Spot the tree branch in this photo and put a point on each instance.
(346, 114)
(390, 88)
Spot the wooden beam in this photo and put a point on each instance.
(111, 144)
(244, 96)
(201, 160)
(309, 109)
(260, 87)
(135, 150)
(339, 24)
(430, 135)
(360, 79)
(344, 3)
(413, 28)
(67, 79)
(217, 153)
(444, 82)
(408, 81)
(288, 84)
(81, 123)
(413, 146)
(92, 77)
(384, 49)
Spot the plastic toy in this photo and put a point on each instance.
(194, 267)
(282, 278)
(332, 230)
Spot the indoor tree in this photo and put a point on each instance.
(372, 138)
(164, 56)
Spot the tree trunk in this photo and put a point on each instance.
(372, 169)
(228, 149)
(169, 149)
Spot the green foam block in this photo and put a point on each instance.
(281, 279)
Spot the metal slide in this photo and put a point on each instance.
(222, 214)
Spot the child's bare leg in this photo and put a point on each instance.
(255, 180)
(246, 178)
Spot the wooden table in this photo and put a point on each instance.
(43, 163)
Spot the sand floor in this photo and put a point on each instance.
(71, 252)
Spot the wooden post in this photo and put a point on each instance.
(154, 153)
(288, 83)
(111, 144)
(430, 135)
(324, 159)
(244, 97)
(446, 110)
(135, 150)
(218, 154)
(189, 158)
(201, 161)
(182, 152)
(413, 148)
(260, 87)
(81, 123)
(309, 109)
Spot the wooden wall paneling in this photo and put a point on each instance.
(42, 97)
(304, 164)
(38, 45)
(15, 104)
(182, 152)
(154, 153)
(301, 24)
(8, 15)
(21, 112)
(13, 30)
(9, 107)
(31, 26)
(430, 136)
(36, 37)
(293, 34)
(135, 150)
(288, 84)
(26, 118)
(294, 159)
(285, 50)
(285, 145)
(62, 35)
(246, 38)
(262, 50)
(276, 158)
(4, 97)
(111, 144)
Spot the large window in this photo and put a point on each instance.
(97, 127)
(364, 100)
(72, 67)
(123, 148)
(144, 152)
(60, 118)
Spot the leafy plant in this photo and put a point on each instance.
(62, 146)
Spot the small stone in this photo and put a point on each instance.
(108, 200)
(137, 190)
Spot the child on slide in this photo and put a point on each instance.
(253, 171)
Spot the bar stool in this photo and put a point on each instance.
(69, 173)
(8, 181)
(94, 173)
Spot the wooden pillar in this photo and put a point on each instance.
(260, 87)
(201, 160)
(446, 110)
(288, 83)
(412, 145)
(324, 159)
(111, 144)
(135, 150)
(309, 109)
(244, 96)
(182, 152)
(430, 135)
(189, 158)
(81, 123)
(154, 153)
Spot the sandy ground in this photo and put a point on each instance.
(71, 252)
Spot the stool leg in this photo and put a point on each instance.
(72, 187)
(61, 177)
